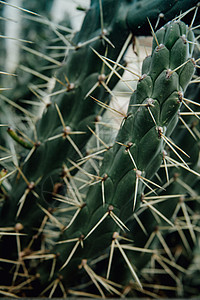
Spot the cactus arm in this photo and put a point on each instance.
(182, 182)
(122, 177)
(140, 11)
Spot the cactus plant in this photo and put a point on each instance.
(118, 175)
(108, 207)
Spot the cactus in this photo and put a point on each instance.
(107, 210)
(118, 175)
(159, 223)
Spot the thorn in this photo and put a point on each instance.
(51, 217)
(183, 238)
(140, 223)
(150, 239)
(20, 8)
(165, 246)
(127, 42)
(182, 166)
(103, 64)
(62, 83)
(110, 257)
(37, 53)
(166, 268)
(72, 252)
(194, 113)
(74, 145)
(131, 157)
(7, 175)
(184, 14)
(128, 263)
(99, 139)
(138, 249)
(94, 154)
(170, 72)
(187, 127)
(173, 264)
(62, 289)
(6, 73)
(95, 278)
(194, 16)
(118, 221)
(153, 183)
(102, 104)
(136, 190)
(55, 284)
(12, 103)
(189, 113)
(153, 33)
(157, 199)
(4, 170)
(80, 45)
(104, 37)
(194, 28)
(188, 222)
(171, 144)
(97, 224)
(152, 116)
(190, 101)
(103, 191)
(92, 90)
(109, 91)
(73, 218)
(70, 86)
(15, 39)
(158, 212)
(60, 116)
(121, 66)
(33, 72)
(112, 69)
(165, 166)
(101, 17)
(77, 166)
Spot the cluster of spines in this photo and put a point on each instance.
(119, 174)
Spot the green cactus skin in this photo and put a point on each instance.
(118, 173)
(114, 174)
(182, 182)
(49, 155)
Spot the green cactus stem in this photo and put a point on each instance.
(127, 167)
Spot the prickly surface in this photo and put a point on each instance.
(109, 204)
(140, 139)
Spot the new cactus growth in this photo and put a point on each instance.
(68, 223)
